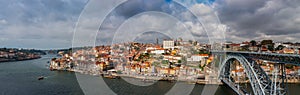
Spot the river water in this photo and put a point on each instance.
(20, 78)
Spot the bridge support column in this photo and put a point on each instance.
(279, 80)
(283, 79)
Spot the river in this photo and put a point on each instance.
(20, 78)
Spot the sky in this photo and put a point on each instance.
(50, 24)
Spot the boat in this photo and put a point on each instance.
(52, 69)
(111, 74)
(41, 78)
(201, 76)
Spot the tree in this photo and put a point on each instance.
(165, 61)
(180, 39)
(155, 63)
(179, 61)
(270, 47)
(252, 43)
(280, 47)
(195, 43)
(244, 48)
(201, 67)
(190, 41)
(266, 42)
(227, 46)
(269, 44)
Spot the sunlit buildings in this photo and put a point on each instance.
(168, 44)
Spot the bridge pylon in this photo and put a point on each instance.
(279, 80)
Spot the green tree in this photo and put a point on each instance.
(252, 43)
(165, 61)
(155, 63)
(280, 47)
(266, 42)
(270, 47)
(179, 61)
(202, 67)
(269, 44)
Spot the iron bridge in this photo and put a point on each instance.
(261, 82)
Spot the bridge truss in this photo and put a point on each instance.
(261, 82)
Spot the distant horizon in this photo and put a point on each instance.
(138, 42)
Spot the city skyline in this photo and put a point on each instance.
(149, 47)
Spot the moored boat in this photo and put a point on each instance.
(112, 74)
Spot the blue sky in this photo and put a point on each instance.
(45, 24)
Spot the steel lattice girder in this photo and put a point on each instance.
(260, 82)
(278, 58)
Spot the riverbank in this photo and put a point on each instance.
(187, 79)
(197, 81)
(18, 59)
(14, 54)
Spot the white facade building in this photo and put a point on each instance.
(197, 57)
(168, 44)
(158, 51)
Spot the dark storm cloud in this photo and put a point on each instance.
(255, 18)
(133, 7)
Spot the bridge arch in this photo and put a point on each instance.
(259, 80)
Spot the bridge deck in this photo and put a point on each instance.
(260, 53)
(293, 59)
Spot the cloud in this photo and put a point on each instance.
(3, 22)
(149, 21)
(209, 26)
(48, 24)
(260, 19)
(187, 20)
